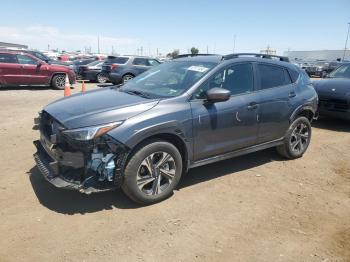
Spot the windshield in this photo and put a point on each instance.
(341, 72)
(169, 79)
(41, 56)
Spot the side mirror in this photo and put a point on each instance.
(39, 64)
(217, 94)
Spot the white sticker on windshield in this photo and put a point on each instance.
(200, 69)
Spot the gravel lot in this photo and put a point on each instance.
(252, 208)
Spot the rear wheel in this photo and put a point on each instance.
(152, 172)
(297, 139)
(58, 81)
(127, 77)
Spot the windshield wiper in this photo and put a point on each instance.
(138, 93)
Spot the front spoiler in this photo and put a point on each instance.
(48, 167)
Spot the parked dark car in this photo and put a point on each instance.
(334, 93)
(77, 63)
(92, 72)
(123, 68)
(321, 68)
(18, 68)
(185, 113)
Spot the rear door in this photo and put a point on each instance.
(275, 101)
(10, 70)
(34, 72)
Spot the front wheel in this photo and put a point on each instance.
(297, 139)
(152, 172)
(101, 78)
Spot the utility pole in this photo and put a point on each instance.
(207, 50)
(346, 41)
(98, 44)
(48, 47)
(157, 52)
(234, 43)
(141, 51)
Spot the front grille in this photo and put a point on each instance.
(335, 104)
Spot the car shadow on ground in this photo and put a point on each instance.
(73, 202)
(332, 124)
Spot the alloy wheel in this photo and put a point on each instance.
(60, 81)
(299, 138)
(155, 173)
(126, 78)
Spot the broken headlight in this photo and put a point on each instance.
(92, 132)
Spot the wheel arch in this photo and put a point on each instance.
(172, 138)
(304, 110)
(55, 74)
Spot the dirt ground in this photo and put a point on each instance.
(257, 207)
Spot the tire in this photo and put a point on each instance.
(127, 77)
(57, 83)
(147, 179)
(101, 78)
(297, 139)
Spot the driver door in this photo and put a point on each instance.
(226, 126)
(34, 72)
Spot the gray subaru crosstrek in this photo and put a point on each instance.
(192, 111)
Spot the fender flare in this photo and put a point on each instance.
(301, 108)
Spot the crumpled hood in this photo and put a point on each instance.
(98, 107)
(333, 87)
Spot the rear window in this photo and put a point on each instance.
(117, 60)
(7, 58)
(273, 76)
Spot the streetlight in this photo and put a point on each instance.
(346, 41)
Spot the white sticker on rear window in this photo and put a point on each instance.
(200, 69)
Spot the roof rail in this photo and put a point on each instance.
(191, 55)
(267, 56)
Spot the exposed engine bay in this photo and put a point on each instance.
(88, 166)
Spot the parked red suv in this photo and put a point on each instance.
(18, 68)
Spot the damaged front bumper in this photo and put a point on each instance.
(71, 165)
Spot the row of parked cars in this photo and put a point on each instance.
(318, 68)
(188, 112)
(26, 67)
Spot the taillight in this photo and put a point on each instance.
(114, 66)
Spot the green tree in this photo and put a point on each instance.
(173, 54)
(194, 51)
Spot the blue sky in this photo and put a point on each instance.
(177, 24)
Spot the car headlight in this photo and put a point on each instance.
(92, 132)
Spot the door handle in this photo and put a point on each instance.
(292, 94)
(252, 106)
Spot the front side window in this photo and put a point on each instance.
(169, 79)
(26, 60)
(8, 58)
(273, 76)
(239, 79)
(341, 72)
